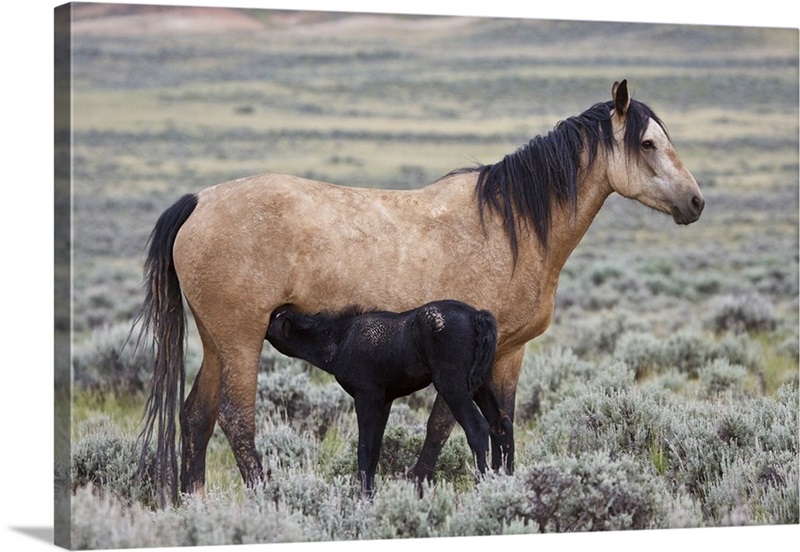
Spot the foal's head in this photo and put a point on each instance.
(311, 337)
(645, 166)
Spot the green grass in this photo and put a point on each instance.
(779, 366)
(125, 411)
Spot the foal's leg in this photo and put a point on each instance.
(451, 381)
(440, 425)
(441, 421)
(372, 413)
(500, 427)
(199, 417)
(237, 412)
(476, 428)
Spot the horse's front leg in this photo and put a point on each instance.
(505, 377)
(372, 413)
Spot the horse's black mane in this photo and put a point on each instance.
(522, 186)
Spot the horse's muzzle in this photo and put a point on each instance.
(690, 212)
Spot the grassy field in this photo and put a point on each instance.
(674, 350)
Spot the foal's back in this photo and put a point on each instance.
(448, 329)
(442, 329)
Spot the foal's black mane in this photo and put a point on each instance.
(522, 186)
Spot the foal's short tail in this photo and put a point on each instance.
(162, 317)
(485, 344)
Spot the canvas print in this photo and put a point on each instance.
(332, 276)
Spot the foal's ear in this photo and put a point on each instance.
(619, 92)
(283, 318)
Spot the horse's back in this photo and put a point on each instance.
(272, 239)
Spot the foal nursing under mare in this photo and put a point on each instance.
(495, 237)
(378, 357)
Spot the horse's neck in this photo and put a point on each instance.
(535, 280)
(571, 224)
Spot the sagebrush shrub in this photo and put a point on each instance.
(641, 351)
(595, 491)
(399, 512)
(669, 380)
(741, 349)
(341, 514)
(108, 360)
(280, 443)
(758, 489)
(790, 347)
(748, 312)
(400, 448)
(545, 378)
(720, 377)
(399, 451)
(306, 493)
(106, 460)
(497, 506)
(709, 443)
(687, 351)
(594, 336)
(611, 414)
(288, 393)
(778, 501)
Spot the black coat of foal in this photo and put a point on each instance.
(380, 356)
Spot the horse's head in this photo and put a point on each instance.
(645, 166)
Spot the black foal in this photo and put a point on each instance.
(380, 356)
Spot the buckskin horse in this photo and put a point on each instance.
(493, 236)
(379, 356)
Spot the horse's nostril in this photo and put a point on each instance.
(698, 203)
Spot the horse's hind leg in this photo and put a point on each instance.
(237, 411)
(199, 417)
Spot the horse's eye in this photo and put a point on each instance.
(648, 145)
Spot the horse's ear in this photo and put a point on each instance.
(619, 92)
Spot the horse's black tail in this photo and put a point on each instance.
(162, 317)
(485, 345)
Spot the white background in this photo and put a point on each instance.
(26, 263)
